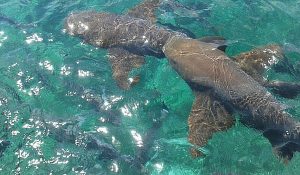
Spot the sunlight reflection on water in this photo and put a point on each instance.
(68, 78)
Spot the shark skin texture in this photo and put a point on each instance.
(202, 66)
(122, 60)
(257, 61)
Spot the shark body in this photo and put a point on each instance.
(208, 71)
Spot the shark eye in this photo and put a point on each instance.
(286, 134)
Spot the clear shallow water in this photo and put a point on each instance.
(48, 75)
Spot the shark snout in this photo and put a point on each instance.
(287, 150)
(284, 142)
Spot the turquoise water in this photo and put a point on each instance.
(48, 75)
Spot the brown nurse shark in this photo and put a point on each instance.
(220, 85)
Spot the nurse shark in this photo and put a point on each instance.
(221, 86)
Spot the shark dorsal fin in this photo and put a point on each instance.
(217, 41)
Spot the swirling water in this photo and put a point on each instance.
(48, 78)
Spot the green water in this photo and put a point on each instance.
(42, 68)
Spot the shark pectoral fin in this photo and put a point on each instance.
(145, 10)
(216, 41)
(257, 61)
(207, 116)
(285, 89)
(122, 62)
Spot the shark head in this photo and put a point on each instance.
(284, 142)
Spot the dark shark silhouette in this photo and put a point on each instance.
(3, 145)
(221, 86)
(68, 131)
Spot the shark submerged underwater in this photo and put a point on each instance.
(222, 86)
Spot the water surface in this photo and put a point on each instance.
(46, 75)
